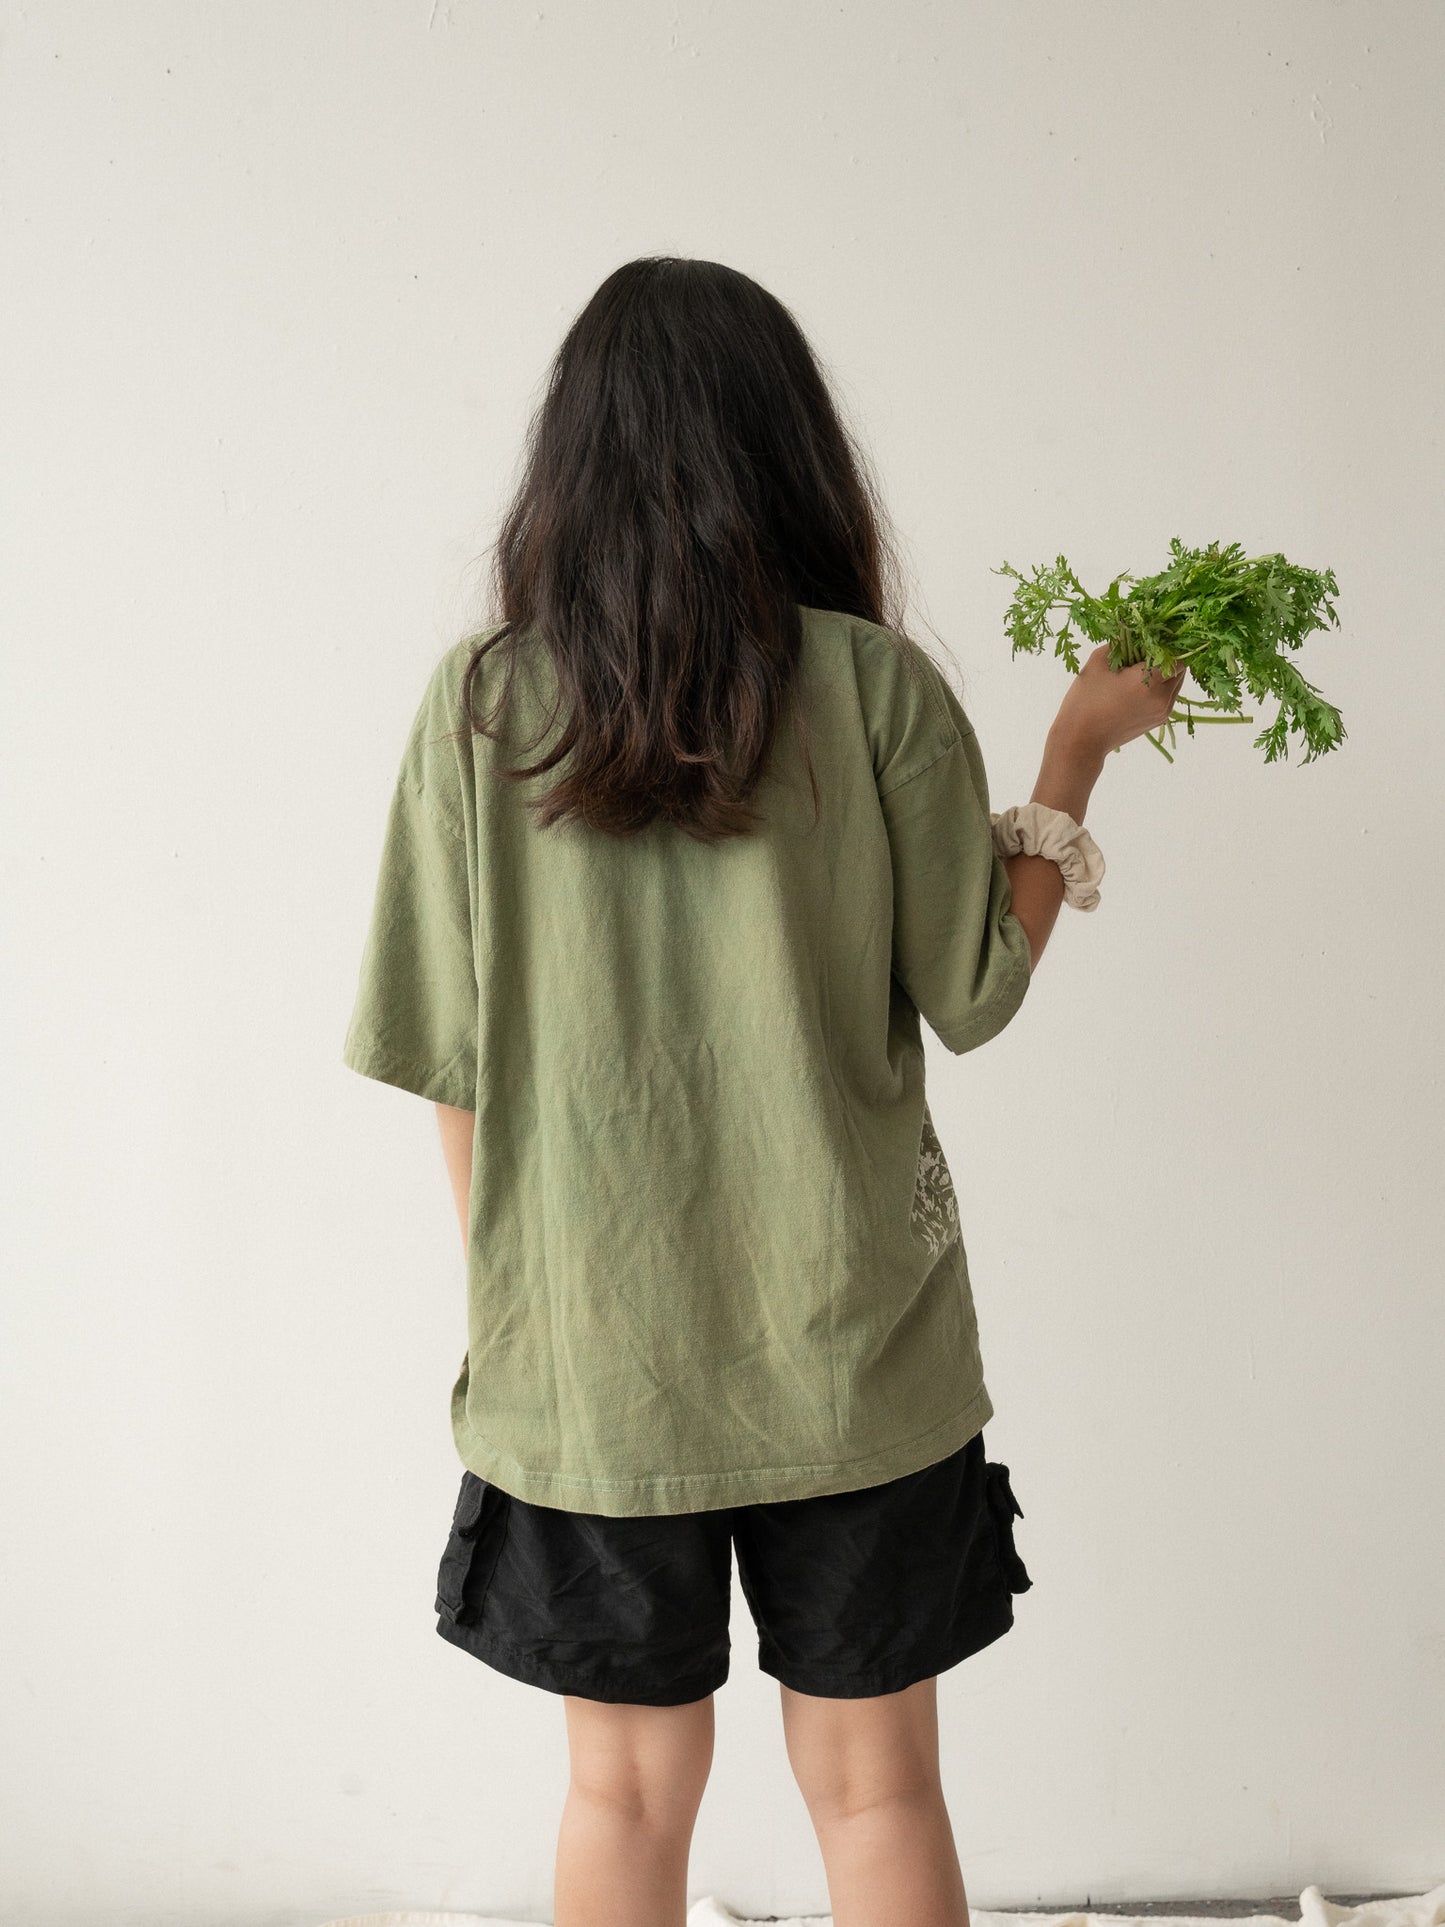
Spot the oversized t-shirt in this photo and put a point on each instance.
(713, 1253)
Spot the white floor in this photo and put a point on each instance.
(1414, 1910)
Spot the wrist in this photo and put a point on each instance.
(1070, 768)
(1070, 743)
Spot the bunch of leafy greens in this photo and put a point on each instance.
(1228, 618)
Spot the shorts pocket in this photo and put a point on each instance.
(479, 1526)
(1003, 1508)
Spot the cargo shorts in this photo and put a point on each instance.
(852, 1593)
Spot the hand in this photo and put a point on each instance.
(1106, 708)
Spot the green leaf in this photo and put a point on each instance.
(1231, 617)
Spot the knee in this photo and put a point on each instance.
(851, 1758)
(647, 1771)
(835, 1792)
(637, 1795)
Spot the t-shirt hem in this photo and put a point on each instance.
(708, 1491)
(985, 1023)
(442, 1084)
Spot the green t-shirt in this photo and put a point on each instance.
(714, 1253)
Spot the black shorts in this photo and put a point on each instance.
(852, 1593)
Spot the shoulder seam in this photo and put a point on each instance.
(957, 739)
(433, 810)
(954, 742)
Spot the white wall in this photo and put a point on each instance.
(282, 282)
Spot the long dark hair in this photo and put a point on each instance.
(688, 483)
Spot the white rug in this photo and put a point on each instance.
(1410, 1910)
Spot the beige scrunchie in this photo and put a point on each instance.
(1034, 829)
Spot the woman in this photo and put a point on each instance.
(682, 848)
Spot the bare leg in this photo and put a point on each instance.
(638, 1774)
(868, 1772)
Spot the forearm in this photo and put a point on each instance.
(1066, 779)
(458, 1130)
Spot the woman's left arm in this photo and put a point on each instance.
(458, 1129)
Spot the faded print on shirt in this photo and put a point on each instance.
(935, 1207)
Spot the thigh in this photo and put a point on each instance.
(613, 1609)
(869, 1592)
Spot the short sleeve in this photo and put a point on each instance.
(958, 950)
(415, 1018)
